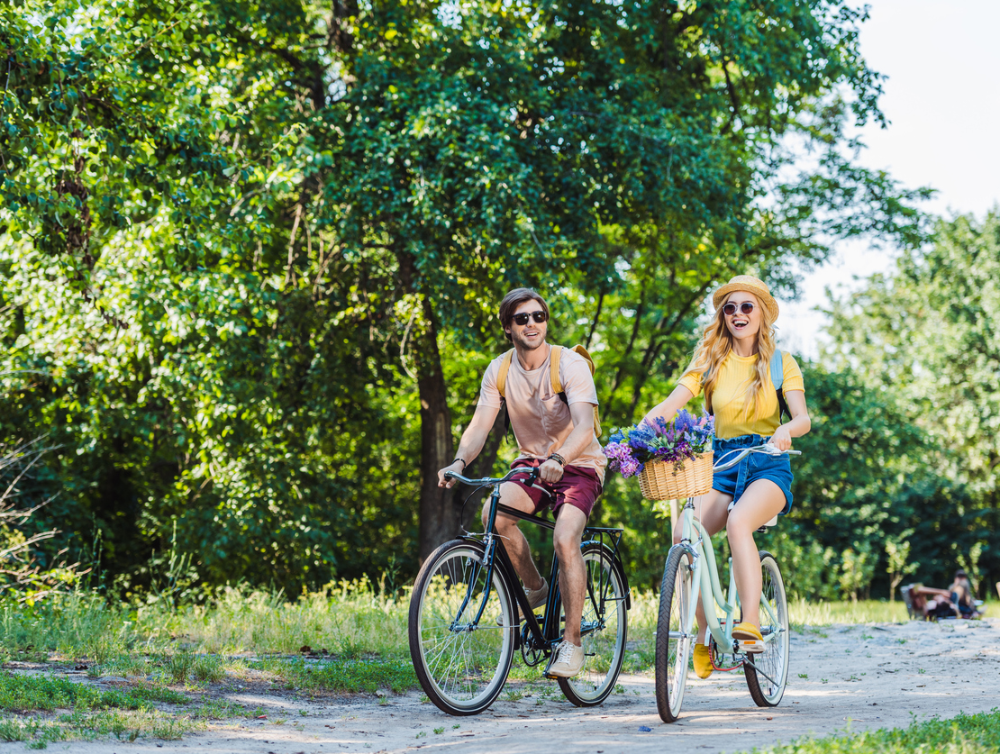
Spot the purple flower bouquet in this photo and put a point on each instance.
(686, 437)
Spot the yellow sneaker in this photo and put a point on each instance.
(748, 635)
(702, 661)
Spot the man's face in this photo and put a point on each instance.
(530, 335)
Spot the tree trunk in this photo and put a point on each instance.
(438, 517)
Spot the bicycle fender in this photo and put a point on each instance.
(619, 569)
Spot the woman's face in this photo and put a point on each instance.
(742, 324)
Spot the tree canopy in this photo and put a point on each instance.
(252, 250)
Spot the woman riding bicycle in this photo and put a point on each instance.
(732, 366)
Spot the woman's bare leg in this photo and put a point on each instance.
(711, 510)
(761, 502)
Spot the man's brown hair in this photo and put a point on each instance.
(513, 300)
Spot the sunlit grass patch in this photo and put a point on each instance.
(341, 674)
(965, 734)
(23, 693)
(819, 613)
(129, 725)
(36, 733)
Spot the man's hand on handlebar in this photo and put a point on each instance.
(781, 439)
(456, 468)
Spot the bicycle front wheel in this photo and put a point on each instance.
(462, 630)
(767, 672)
(603, 630)
(674, 635)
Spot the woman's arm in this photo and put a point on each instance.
(674, 402)
(800, 422)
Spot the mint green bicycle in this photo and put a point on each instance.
(691, 568)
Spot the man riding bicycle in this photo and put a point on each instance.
(555, 433)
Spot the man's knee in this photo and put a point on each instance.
(565, 545)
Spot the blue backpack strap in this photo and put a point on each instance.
(778, 378)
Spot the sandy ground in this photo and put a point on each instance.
(841, 677)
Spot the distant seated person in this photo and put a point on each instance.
(933, 603)
(962, 595)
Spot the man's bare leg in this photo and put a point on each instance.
(514, 542)
(570, 524)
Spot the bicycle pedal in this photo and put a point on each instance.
(750, 646)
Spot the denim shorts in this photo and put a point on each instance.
(755, 466)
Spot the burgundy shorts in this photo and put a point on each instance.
(578, 487)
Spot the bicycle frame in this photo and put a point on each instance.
(707, 586)
(705, 580)
(546, 635)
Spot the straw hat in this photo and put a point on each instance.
(750, 284)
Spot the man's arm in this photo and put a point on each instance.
(579, 438)
(473, 439)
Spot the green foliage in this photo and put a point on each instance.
(927, 337)
(252, 249)
(964, 734)
(344, 674)
(21, 693)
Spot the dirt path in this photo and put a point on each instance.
(859, 676)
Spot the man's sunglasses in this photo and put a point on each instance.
(522, 318)
(730, 309)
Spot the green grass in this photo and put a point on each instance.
(357, 630)
(126, 714)
(965, 734)
(342, 674)
(818, 613)
(22, 693)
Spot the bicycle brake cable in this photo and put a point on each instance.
(461, 515)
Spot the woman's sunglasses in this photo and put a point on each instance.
(522, 318)
(730, 309)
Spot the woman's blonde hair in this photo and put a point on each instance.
(717, 342)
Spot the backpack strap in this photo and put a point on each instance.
(778, 378)
(502, 373)
(554, 356)
(557, 381)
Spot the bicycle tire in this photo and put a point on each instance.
(768, 687)
(604, 637)
(673, 638)
(462, 668)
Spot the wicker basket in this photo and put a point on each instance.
(659, 481)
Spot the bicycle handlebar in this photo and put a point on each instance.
(767, 448)
(488, 481)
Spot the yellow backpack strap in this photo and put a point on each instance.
(557, 382)
(554, 369)
(502, 373)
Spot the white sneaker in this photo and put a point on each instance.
(537, 597)
(567, 659)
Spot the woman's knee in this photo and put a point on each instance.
(738, 525)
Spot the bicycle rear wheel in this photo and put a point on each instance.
(674, 635)
(768, 685)
(462, 634)
(604, 629)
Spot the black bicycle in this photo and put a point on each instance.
(467, 606)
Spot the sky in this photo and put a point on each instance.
(942, 99)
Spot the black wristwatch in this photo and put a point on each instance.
(557, 458)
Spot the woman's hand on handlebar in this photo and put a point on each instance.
(456, 468)
(781, 439)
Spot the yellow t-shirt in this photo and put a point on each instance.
(729, 398)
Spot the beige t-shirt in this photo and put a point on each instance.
(540, 420)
